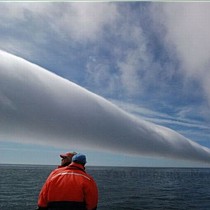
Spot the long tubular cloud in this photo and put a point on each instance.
(39, 106)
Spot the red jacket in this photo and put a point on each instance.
(69, 187)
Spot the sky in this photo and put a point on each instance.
(128, 87)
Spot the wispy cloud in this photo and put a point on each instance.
(179, 121)
(49, 109)
(179, 118)
(186, 36)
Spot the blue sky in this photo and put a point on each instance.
(150, 59)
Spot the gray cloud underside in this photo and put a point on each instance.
(37, 106)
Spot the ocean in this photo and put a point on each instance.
(126, 188)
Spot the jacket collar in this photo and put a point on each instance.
(77, 166)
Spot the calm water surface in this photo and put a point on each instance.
(119, 188)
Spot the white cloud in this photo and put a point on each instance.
(126, 61)
(101, 76)
(132, 60)
(48, 109)
(86, 21)
(187, 35)
(180, 120)
(188, 28)
(39, 22)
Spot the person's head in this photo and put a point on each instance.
(66, 159)
(79, 158)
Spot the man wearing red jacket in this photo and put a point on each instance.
(69, 188)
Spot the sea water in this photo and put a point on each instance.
(119, 187)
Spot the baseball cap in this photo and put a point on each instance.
(68, 154)
(79, 158)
